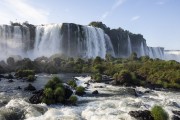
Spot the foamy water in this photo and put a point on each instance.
(112, 103)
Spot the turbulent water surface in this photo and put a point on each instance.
(112, 102)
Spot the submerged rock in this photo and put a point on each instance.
(18, 88)
(176, 112)
(95, 92)
(30, 88)
(175, 117)
(10, 81)
(141, 115)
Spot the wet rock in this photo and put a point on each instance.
(175, 117)
(37, 97)
(131, 91)
(114, 82)
(30, 88)
(10, 81)
(9, 76)
(95, 92)
(176, 112)
(18, 88)
(68, 92)
(141, 115)
(80, 93)
(2, 76)
(98, 86)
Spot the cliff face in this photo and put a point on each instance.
(125, 42)
(72, 40)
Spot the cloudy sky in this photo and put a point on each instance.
(157, 20)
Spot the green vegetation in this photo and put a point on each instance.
(142, 71)
(24, 73)
(80, 89)
(73, 99)
(54, 91)
(31, 78)
(159, 113)
(97, 77)
(29, 75)
(72, 83)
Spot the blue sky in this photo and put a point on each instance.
(157, 20)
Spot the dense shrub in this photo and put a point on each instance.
(54, 91)
(31, 78)
(73, 99)
(80, 89)
(24, 73)
(72, 83)
(97, 77)
(159, 113)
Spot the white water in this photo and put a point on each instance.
(49, 41)
(129, 46)
(172, 55)
(112, 103)
(84, 41)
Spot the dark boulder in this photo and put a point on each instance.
(30, 88)
(176, 112)
(37, 97)
(18, 88)
(175, 117)
(141, 115)
(80, 93)
(9, 76)
(2, 76)
(68, 92)
(114, 82)
(95, 92)
(10, 81)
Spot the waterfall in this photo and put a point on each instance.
(129, 46)
(74, 41)
(47, 41)
(95, 42)
(69, 39)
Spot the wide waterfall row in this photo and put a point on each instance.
(68, 39)
(74, 41)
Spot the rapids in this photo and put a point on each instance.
(112, 102)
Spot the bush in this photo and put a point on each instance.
(97, 77)
(80, 89)
(59, 91)
(24, 73)
(72, 83)
(31, 78)
(73, 99)
(123, 77)
(48, 93)
(54, 91)
(159, 113)
(53, 83)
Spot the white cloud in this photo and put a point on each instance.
(117, 4)
(105, 15)
(21, 11)
(114, 6)
(135, 18)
